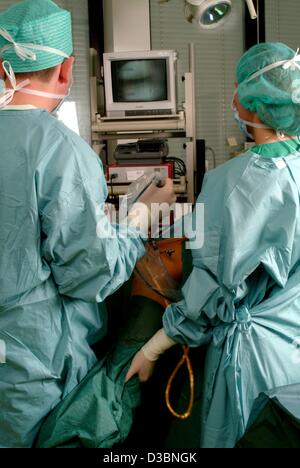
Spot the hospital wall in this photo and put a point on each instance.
(282, 22)
(122, 30)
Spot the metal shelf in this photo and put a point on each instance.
(180, 186)
(182, 126)
(134, 126)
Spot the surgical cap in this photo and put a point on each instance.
(38, 22)
(274, 94)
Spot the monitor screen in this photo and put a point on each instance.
(139, 80)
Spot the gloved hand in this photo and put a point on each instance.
(144, 362)
(154, 194)
(140, 213)
(157, 346)
(142, 367)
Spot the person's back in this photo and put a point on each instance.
(243, 295)
(47, 335)
(60, 255)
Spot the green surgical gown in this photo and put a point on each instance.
(56, 267)
(243, 295)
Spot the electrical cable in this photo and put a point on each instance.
(112, 177)
(179, 166)
(184, 360)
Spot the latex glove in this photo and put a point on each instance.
(155, 194)
(144, 362)
(140, 213)
(142, 367)
(157, 346)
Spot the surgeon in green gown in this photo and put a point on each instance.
(243, 295)
(60, 256)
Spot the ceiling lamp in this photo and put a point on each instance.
(207, 13)
(211, 13)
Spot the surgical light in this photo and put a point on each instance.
(211, 13)
(207, 13)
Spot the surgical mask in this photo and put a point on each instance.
(243, 124)
(55, 111)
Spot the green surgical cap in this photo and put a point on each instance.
(273, 95)
(39, 22)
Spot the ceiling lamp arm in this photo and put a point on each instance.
(251, 9)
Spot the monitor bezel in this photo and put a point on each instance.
(170, 105)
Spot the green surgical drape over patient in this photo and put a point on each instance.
(243, 295)
(56, 268)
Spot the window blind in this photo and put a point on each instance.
(216, 55)
(282, 22)
(80, 94)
